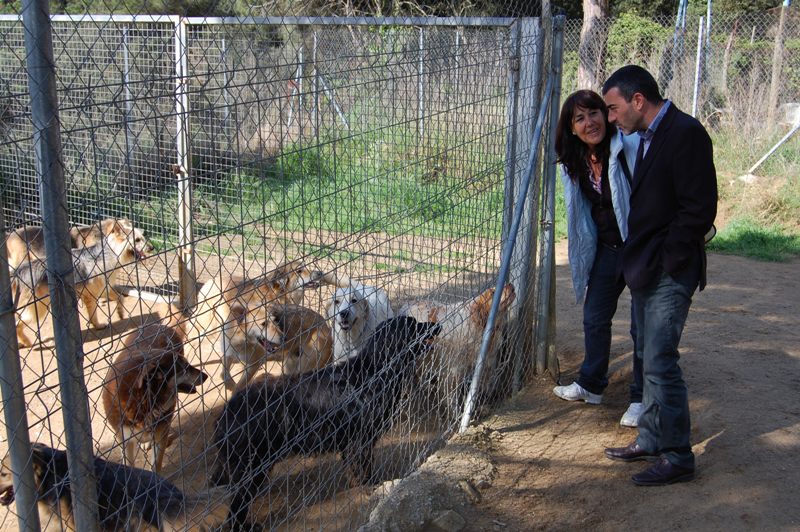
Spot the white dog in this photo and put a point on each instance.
(356, 310)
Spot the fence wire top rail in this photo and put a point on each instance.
(293, 20)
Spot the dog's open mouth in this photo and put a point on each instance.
(269, 347)
(7, 496)
(140, 255)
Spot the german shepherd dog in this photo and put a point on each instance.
(128, 498)
(140, 391)
(95, 272)
(342, 408)
(455, 351)
(27, 243)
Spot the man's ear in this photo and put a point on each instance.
(638, 100)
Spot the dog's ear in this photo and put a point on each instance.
(150, 368)
(278, 316)
(108, 225)
(238, 312)
(428, 330)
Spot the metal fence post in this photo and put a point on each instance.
(186, 266)
(529, 87)
(14, 408)
(420, 85)
(126, 85)
(545, 321)
(698, 68)
(55, 223)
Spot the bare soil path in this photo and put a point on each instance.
(741, 360)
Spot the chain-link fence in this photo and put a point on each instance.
(745, 77)
(247, 199)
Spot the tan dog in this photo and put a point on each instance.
(294, 335)
(27, 243)
(298, 337)
(95, 272)
(140, 391)
(284, 284)
(457, 347)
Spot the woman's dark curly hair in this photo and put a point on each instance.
(572, 151)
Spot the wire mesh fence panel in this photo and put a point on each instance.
(747, 72)
(346, 210)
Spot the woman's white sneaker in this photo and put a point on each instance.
(631, 416)
(576, 392)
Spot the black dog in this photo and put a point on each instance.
(128, 498)
(344, 408)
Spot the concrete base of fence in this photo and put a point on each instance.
(436, 495)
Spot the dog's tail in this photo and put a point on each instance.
(200, 512)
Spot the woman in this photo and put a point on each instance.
(598, 164)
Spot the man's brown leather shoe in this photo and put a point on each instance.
(663, 473)
(629, 453)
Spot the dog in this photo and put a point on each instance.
(127, 498)
(341, 408)
(285, 284)
(457, 347)
(297, 337)
(95, 273)
(238, 309)
(27, 243)
(140, 391)
(355, 310)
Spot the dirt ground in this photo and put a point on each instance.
(741, 360)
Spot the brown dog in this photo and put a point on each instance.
(95, 272)
(298, 337)
(27, 243)
(140, 391)
(457, 346)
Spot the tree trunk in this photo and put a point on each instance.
(593, 44)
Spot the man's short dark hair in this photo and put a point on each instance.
(631, 79)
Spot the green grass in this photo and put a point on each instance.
(749, 238)
(364, 185)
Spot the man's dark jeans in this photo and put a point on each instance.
(605, 286)
(661, 311)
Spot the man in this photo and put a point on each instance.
(672, 206)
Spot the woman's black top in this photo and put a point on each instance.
(602, 209)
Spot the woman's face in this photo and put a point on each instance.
(589, 125)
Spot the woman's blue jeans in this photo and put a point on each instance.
(605, 286)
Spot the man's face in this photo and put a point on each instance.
(627, 116)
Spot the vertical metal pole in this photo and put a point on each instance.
(532, 39)
(126, 84)
(315, 88)
(544, 322)
(697, 67)
(226, 95)
(14, 408)
(55, 224)
(420, 85)
(511, 128)
(186, 267)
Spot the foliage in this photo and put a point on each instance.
(633, 39)
(750, 238)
